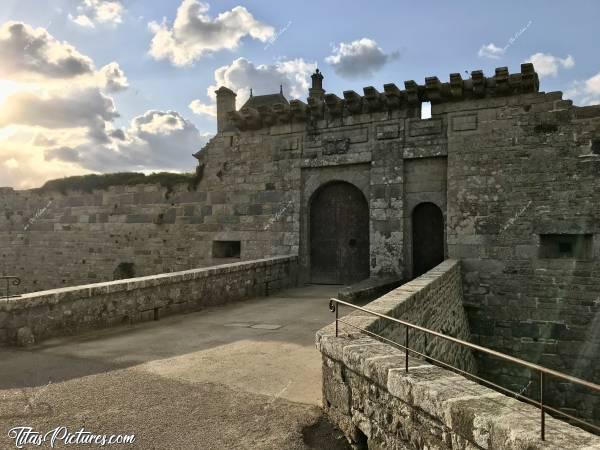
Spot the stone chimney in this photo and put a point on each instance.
(225, 104)
(316, 91)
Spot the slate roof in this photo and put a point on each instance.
(260, 100)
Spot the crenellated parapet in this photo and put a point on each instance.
(298, 110)
(320, 105)
(335, 105)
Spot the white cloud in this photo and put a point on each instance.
(56, 118)
(92, 12)
(586, 92)
(592, 85)
(359, 58)
(156, 140)
(82, 21)
(71, 109)
(195, 34)
(30, 54)
(32, 59)
(209, 109)
(491, 51)
(242, 74)
(112, 78)
(547, 65)
(23, 165)
(153, 141)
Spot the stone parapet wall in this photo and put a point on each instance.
(377, 405)
(434, 301)
(368, 394)
(36, 316)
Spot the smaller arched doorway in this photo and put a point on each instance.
(427, 238)
(339, 234)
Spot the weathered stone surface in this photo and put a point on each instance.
(25, 337)
(503, 162)
(80, 308)
(368, 392)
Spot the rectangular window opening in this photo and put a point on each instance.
(576, 246)
(226, 249)
(426, 110)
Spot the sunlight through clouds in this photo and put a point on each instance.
(57, 116)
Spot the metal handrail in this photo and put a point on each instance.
(15, 282)
(540, 369)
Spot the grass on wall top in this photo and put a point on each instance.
(88, 183)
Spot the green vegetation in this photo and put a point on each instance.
(88, 183)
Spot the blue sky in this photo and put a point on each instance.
(355, 44)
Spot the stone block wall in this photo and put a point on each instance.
(522, 170)
(248, 193)
(36, 316)
(378, 405)
(370, 397)
(434, 301)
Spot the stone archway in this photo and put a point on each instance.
(427, 237)
(339, 234)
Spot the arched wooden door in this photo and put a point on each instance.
(428, 237)
(339, 235)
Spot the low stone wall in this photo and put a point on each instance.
(40, 315)
(377, 405)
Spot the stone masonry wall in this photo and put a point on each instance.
(247, 194)
(520, 168)
(36, 316)
(370, 397)
(434, 301)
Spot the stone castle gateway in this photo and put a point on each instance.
(502, 177)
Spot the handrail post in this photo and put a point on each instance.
(406, 350)
(543, 416)
(333, 307)
(336, 319)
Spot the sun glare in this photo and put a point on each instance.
(8, 88)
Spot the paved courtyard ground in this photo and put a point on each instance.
(242, 376)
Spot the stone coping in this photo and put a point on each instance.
(478, 414)
(55, 296)
(370, 288)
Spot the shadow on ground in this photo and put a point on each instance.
(242, 376)
(167, 414)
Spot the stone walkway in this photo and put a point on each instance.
(242, 376)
